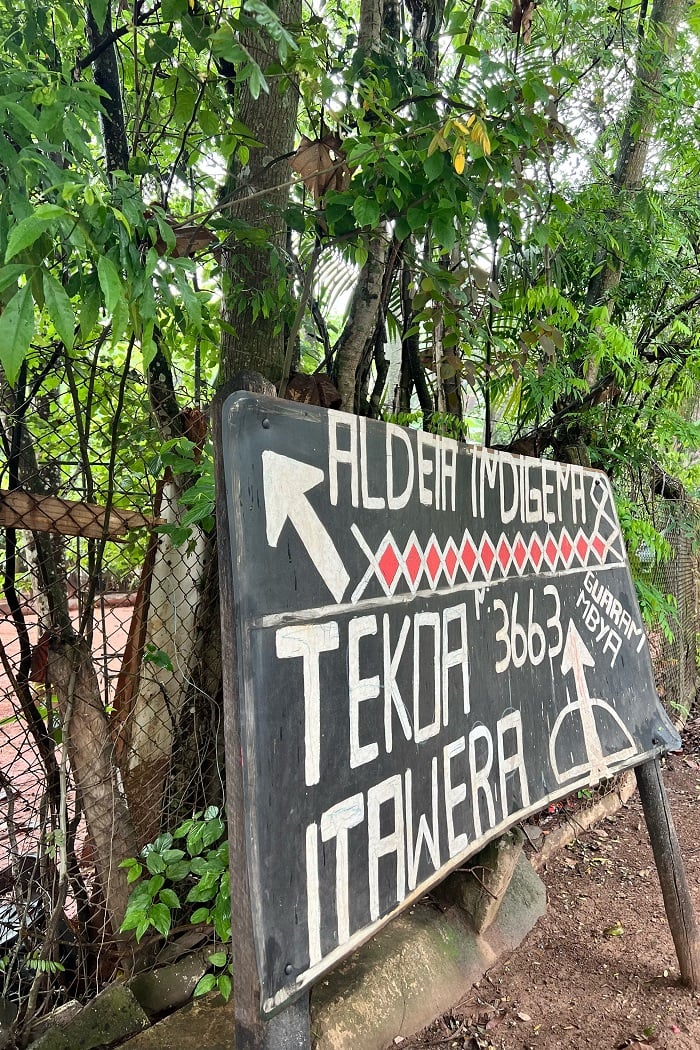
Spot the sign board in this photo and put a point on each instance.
(434, 640)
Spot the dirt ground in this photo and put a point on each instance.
(599, 969)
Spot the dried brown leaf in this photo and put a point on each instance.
(321, 164)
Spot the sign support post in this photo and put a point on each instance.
(669, 864)
(290, 1029)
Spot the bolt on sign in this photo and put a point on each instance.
(434, 640)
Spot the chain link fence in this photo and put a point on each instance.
(675, 653)
(109, 626)
(109, 712)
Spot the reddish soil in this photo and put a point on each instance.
(599, 969)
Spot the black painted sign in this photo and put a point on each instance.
(434, 640)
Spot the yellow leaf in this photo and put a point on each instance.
(480, 136)
(459, 160)
(461, 127)
(437, 142)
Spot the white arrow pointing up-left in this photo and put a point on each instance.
(285, 484)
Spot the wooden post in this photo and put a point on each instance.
(291, 1028)
(669, 864)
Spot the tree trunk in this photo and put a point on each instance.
(86, 735)
(359, 329)
(174, 595)
(260, 192)
(107, 77)
(655, 48)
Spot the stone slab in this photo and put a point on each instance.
(159, 991)
(416, 968)
(111, 1017)
(206, 1022)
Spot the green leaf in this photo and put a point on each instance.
(294, 217)
(195, 840)
(172, 855)
(10, 274)
(223, 983)
(60, 310)
(172, 10)
(221, 912)
(492, 219)
(110, 283)
(218, 959)
(134, 874)
(159, 47)
(366, 211)
(142, 928)
(132, 919)
(26, 232)
(434, 166)
(16, 331)
(158, 657)
(202, 893)
(200, 866)
(155, 863)
(206, 984)
(444, 230)
(169, 898)
(99, 12)
(178, 871)
(161, 918)
(155, 884)
(213, 830)
(200, 915)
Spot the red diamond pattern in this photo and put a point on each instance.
(449, 560)
(432, 562)
(503, 554)
(598, 545)
(487, 554)
(389, 565)
(551, 551)
(519, 554)
(468, 555)
(413, 563)
(536, 553)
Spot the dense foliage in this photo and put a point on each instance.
(471, 215)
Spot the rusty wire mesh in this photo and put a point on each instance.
(675, 656)
(83, 497)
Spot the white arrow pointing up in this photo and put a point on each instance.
(285, 484)
(574, 658)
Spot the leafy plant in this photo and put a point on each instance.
(219, 979)
(184, 874)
